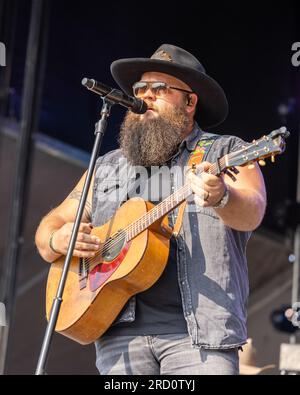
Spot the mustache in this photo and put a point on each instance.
(151, 106)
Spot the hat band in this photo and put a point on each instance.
(162, 55)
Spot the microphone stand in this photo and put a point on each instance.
(100, 128)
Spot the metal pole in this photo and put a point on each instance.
(295, 289)
(296, 264)
(296, 267)
(99, 132)
(35, 60)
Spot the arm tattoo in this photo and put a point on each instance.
(88, 207)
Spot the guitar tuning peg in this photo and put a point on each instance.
(273, 159)
(262, 163)
(251, 166)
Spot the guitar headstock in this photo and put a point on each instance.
(268, 146)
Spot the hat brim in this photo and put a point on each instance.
(253, 370)
(212, 102)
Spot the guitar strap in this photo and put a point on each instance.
(196, 157)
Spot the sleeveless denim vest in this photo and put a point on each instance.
(211, 257)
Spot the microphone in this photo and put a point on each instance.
(135, 105)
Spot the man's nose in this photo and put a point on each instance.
(149, 94)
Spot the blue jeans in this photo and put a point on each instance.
(161, 355)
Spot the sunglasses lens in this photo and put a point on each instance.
(159, 88)
(140, 88)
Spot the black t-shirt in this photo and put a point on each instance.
(159, 308)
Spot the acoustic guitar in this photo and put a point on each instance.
(133, 254)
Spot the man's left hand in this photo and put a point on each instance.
(208, 189)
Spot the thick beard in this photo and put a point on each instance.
(151, 142)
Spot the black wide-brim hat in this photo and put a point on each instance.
(212, 103)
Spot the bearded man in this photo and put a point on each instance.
(193, 319)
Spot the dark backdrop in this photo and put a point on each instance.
(245, 46)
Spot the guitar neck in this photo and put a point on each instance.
(168, 204)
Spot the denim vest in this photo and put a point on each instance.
(211, 257)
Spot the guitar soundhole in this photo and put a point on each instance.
(113, 247)
(114, 251)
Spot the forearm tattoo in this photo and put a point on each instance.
(88, 207)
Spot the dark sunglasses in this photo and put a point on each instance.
(159, 89)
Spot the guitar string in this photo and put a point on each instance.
(135, 226)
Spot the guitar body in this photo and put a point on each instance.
(92, 302)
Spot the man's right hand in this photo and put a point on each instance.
(86, 245)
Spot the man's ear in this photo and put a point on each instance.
(192, 100)
(189, 101)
